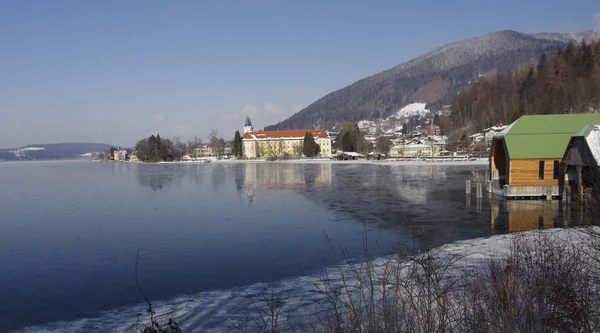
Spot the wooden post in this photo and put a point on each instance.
(468, 187)
(479, 191)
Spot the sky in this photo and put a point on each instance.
(113, 71)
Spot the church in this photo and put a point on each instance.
(288, 143)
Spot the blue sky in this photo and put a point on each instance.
(116, 71)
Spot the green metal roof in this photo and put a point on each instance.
(544, 136)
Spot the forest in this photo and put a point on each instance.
(566, 82)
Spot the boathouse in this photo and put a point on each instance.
(582, 165)
(525, 158)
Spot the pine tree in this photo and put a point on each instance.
(348, 142)
(238, 151)
(308, 147)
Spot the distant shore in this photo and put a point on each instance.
(455, 162)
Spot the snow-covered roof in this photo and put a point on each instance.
(284, 135)
(413, 146)
(593, 140)
(506, 129)
(591, 133)
(350, 153)
(476, 135)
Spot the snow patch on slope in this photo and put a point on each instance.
(414, 109)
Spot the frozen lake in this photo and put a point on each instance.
(70, 230)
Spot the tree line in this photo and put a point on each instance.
(566, 82)
(158, 149)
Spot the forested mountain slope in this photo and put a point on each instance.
(435, 77)
(567, 81)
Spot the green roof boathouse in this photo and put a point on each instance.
(525, 158)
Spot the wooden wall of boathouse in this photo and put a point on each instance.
(526, 172)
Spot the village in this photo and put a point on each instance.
(536, 157)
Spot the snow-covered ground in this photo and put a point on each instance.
(413, 110)
(220, 310)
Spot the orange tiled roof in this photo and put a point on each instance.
(292, 134)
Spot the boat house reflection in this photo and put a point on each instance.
(523, 215)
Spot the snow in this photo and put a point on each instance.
(414, 109)
(220, 309)
(593, 141)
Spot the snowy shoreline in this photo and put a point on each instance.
(217, 310)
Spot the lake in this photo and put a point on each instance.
(71, 230)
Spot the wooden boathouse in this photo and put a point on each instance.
(582, 165)
(525, 158)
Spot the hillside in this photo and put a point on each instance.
(52, 151)
(567, 81)
(435, 77)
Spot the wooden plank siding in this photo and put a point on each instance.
(525, 172)
(578, 153)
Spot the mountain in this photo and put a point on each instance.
(433, 78)
(53, 151)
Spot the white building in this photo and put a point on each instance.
(120, 155)
(282, 143)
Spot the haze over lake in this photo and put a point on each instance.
(71, 229)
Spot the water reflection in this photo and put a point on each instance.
(276, 176)
(398, 197)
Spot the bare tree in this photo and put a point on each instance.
(217, 144)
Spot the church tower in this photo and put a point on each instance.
(248, 125)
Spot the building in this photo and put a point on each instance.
(434, 130)
(282, 143)
(525, 157)
(490, 132)
(415, 150)
(345, 156)
(120, 155)
(476, 138)
(581, 163)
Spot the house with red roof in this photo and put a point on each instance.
(258, 144)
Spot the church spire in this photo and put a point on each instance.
(248, 125)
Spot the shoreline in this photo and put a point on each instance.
(196, 312)
(458, 162)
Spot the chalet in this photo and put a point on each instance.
(582, 164)
(490, 132)
(525, 157)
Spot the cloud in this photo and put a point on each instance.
(158, 117)
(261, 114)
(597, 19)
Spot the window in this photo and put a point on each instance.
(541, 170)
(555, 171)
